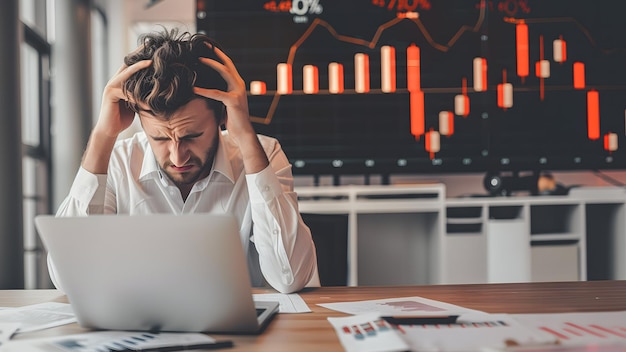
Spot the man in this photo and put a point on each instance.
(184, 88)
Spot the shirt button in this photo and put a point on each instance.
(266, 188)
(275, 232)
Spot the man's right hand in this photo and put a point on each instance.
(115, 116)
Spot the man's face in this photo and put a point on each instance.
(184, 145)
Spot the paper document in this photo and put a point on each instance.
(399, 306)
(580, 328)
(116, 341)
(473, 332)
(289, 303)
(367, 333)
(38, 316)
(470, 332)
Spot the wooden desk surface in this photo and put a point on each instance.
(312, 332)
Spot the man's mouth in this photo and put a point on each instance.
(181, 168)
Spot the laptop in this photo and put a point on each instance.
(161, 272)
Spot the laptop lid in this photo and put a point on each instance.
(160, 272)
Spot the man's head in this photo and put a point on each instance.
(182, 127)
(168, 83)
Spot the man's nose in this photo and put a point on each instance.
(179, 153)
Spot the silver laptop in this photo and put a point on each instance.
(155, 272)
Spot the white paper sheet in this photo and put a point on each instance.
(399, 307)
(289, 303)
(38, 316)
(580, 328)
(107, 341)
(472, 332)
(367, 333)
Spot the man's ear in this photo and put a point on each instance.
(223, 118)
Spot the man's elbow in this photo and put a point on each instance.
(295, 281)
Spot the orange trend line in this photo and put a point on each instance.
(582, 28)
(370, 44)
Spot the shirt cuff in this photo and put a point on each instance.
(263, 186)
(88, 188)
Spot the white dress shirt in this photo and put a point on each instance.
(278, 244)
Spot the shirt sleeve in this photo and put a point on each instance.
(86, 196)
(286, 251)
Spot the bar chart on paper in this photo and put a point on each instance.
(579, 328)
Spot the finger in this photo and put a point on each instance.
(230, 76)
(139, 48)
(125, 73)
(222, 56)
(136, 67)
(214, 94)
(122, 68)
(114, 87)
(214, 64)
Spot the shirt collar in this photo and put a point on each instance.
(151, 169)
(222, 162)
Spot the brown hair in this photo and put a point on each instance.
(168, 83)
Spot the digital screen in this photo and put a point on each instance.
(413, 86)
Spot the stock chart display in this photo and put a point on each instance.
(402, 86)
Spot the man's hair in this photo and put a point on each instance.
(168, 83)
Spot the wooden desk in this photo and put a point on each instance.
(312, 332)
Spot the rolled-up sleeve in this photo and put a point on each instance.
(86, 196)
(286, 251)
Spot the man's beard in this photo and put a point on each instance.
(187, 179)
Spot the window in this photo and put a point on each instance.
(35, 107)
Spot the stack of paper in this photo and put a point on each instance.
(419, 324)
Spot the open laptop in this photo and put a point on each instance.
(155, 272)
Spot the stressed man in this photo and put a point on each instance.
(185, 90)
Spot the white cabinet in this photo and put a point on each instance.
(508, 251)
(524, 238)
(394, 232)
(555, 262)
(401, 235)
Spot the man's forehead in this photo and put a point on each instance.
(193, 107)
(182, 121)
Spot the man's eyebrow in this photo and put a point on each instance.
(192, 135)
(160, 138)
(187, 136)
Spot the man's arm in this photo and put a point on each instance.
(237, 114)
(87, 193)
(115, 117)
(286, 250)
